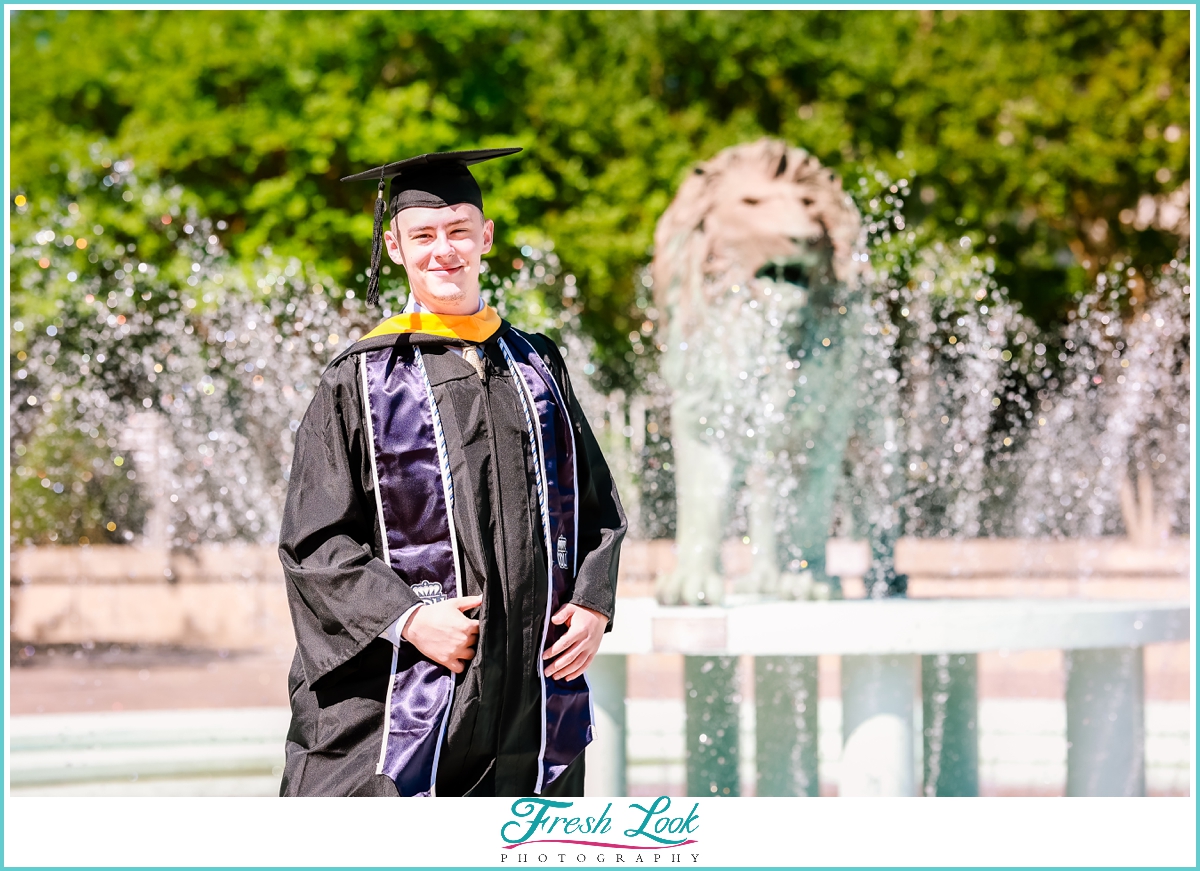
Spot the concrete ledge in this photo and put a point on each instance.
(895, 626)
(222, 786)
(35, 732)
(154, 752)
(114, 564)
(241, 615)
(107, 763)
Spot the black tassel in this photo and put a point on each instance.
(376, 249)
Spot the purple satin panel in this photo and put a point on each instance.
(415, 513)
(416, 520)
(420, 694)
(568, 703)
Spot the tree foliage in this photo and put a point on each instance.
(1039, 134)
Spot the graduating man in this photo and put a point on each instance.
(451, 533)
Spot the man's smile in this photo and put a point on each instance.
(441, 253)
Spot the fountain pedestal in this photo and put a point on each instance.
(950, 718)
(878, 745)
(604, 773)
(785, 732)
(711, 702)
(1105, 722)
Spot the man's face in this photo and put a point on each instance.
(441, 250)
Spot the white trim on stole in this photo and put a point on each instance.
(439, 439)
(387, 704)
(527, 403)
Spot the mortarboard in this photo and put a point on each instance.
(428, 180)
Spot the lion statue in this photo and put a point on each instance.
(755, 276)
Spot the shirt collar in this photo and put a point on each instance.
(413, 306)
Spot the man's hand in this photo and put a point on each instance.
(442, 633)
(578, 646)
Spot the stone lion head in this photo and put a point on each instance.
(754, 207)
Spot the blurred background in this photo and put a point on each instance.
(1012, 404)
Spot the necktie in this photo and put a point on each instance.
(473, 354)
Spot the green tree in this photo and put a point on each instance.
(70, 487)
(1044, 135)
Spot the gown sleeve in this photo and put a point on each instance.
(602, 523)
(340, 593)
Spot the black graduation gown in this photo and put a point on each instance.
(342, 593)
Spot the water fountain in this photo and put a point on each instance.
(862, 382)
(790, 359)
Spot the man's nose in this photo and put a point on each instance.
(442, 246)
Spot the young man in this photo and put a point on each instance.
(451, 533)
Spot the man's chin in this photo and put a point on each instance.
(448, 293)
(445, 295)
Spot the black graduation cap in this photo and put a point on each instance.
(429, 180)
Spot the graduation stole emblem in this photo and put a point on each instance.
(414, 496)
(429, 592)
(562, 552)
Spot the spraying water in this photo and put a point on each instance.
(156, 400)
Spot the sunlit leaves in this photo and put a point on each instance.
(1025, 129)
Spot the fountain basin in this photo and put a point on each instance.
(881, 642)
